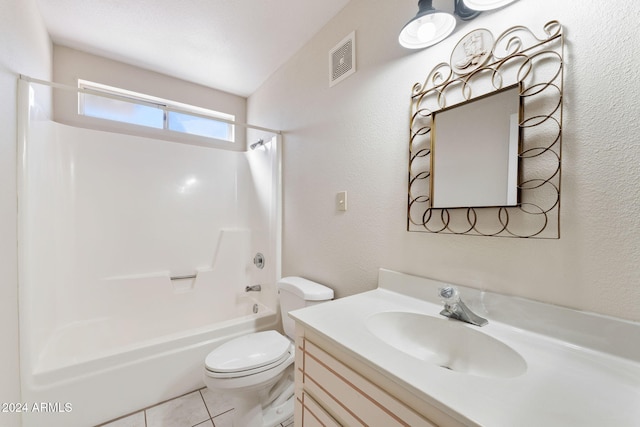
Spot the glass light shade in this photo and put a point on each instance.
(486, 4)
(427, 29)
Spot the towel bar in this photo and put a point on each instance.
(189, 276)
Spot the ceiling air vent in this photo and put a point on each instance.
(342, 59)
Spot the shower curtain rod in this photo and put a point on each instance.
(142, 102)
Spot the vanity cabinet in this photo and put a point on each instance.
(312, 414)
(330, 393)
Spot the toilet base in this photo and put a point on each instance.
(248, 412)
(263, 404)
(273, 416)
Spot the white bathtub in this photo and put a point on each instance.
(89, 374)
(145, 342)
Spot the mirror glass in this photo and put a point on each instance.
(474, 147)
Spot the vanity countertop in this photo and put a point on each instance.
(582, 369)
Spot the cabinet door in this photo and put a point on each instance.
(313, 415)
(353, 399)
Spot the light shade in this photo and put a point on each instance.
(486, 4)
(428, 27)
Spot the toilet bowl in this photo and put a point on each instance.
(256, 370)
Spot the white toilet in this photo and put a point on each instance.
(256, 370)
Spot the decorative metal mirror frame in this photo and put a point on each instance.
(517, 56)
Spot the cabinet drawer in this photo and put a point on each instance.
(313, 415)
(351, 398)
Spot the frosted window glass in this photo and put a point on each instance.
(122, 111)
(201, 126)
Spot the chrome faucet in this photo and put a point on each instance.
(253, 288)
(454, 308)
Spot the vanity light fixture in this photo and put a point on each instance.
(486, 4)
(431, 26)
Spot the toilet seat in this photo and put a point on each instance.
(248, 355)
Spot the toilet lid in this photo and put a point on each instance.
(249, 352)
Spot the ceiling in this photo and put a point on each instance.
(231, 45)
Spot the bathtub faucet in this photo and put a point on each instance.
(454, 308)
(253, 288)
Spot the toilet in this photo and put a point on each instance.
(256, 370)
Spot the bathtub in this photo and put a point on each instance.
(144, 340)
(90, 373)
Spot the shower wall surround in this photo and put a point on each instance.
(105, 209)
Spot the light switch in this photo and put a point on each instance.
(341, 201)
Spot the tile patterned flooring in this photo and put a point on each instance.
(201, 408)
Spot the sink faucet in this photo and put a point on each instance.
(454, 308)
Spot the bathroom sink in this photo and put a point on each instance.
(447, 343)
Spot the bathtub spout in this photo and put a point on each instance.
(253, 288)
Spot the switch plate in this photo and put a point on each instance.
(341, 201)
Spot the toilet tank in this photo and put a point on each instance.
(297, 292)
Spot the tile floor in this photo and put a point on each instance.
(201, 408)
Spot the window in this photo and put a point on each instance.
(138, 109)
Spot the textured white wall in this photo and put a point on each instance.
(354, 137)
(25, 48)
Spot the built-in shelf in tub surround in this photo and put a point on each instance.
(579, 369)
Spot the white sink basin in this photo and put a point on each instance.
(447, 343)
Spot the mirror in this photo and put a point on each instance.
(475, 148)
(485, 137)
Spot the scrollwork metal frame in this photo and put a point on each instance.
(516, 56)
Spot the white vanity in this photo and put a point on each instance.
(388, 358)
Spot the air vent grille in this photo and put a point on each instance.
(342, 59)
